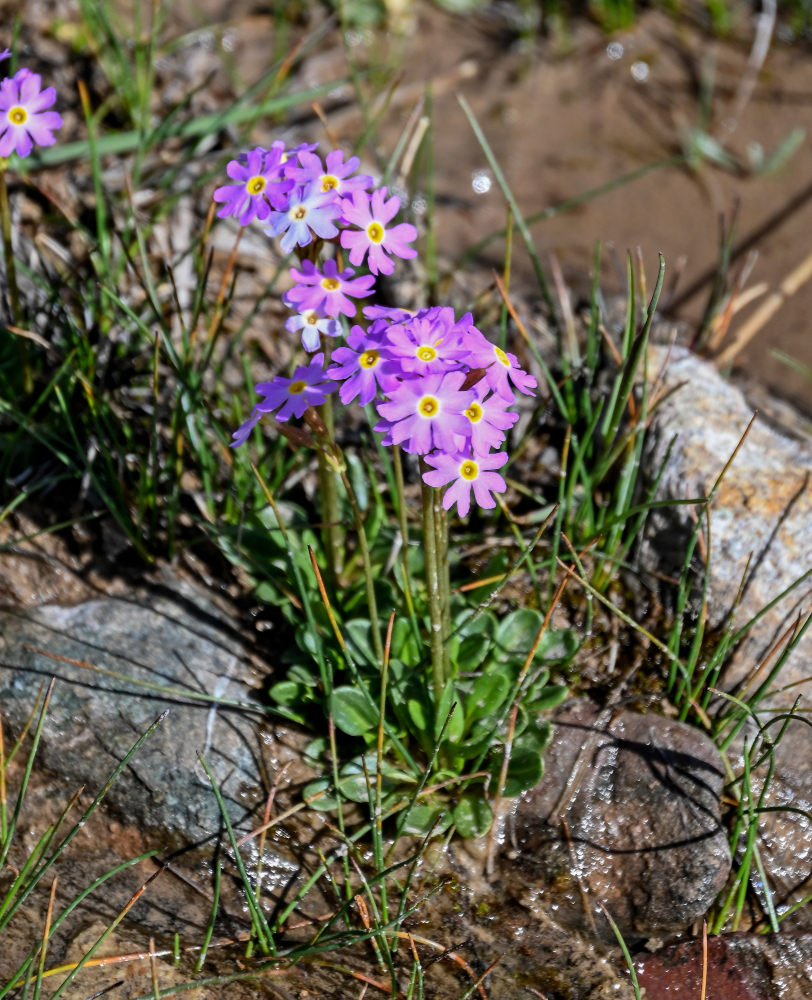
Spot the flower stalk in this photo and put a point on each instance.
(434, 586)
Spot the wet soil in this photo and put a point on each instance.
(568, 117)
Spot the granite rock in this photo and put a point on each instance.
(761, 512)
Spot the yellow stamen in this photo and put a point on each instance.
(469, 470)
(474, 412)
(330, 284)
(426, 353)
(501, 356)
(428, 407)
(255, 185)
(298, 213)
(329, 183)
(312, 318)
(17, 115)
(368, 359)
(295, 388)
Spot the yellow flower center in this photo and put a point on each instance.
(255, 185)
(376, 232)
(426, 353)
(469, 469)
(501, 356)
(428, 407)
(368, 359)
(330, 284)
(17, 115)
(474, 412)
(312, 317)
(295, 388)
(298, 213)
(329, 183)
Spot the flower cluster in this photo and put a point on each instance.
(24, 118)
(441, 389)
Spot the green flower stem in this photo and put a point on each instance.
(403, 522)
(332, 532)
(435, 592)
(441, 538)
(11, 277)
(366, 560)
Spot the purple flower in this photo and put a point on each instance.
(427, 343)
(290, 396)
(309, 211)
(466, 473)
(336, 177)
(259, 184)
(313, 323)
(371, 215)
(360, 364)
(490, 418)
(426, 413)
(23, 116)
(327, 291)
(500, 368)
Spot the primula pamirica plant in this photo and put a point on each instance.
(451, 687)
(25, 119)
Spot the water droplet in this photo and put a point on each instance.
(615, 51)
(481, 181)
(639, 71)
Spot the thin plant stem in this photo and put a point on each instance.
(441, 549)
(331, 532)
(436, 642)
(366, 561)
(403, 522)
(11, 278)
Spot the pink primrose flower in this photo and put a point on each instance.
(24, 119)
(313, 324)
(309, 211)
(327, 290)
(467, 473)
(289, 396)
(258, 185)
(424, 344)
(376, 238)
(336, 176)
(360, 365)
(490, 418)
(426, 413)
(500, 367)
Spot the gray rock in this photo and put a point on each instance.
(627, 816)
(763, 511)
(119, 664)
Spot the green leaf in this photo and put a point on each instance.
(489, 692)
(423, 818)
(516, 634)
(550, 697)
(525, 771)
(286, 693)
(471, 641)
(353, 712)
(455, 726)
(324, 803)
(405, 645)
(472, 815)
(358, 634)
